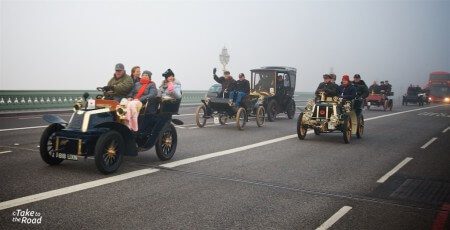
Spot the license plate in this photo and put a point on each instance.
(67, 156)
(330, 126)
(368, 103)
(216, 120)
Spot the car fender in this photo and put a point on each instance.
(128, 137)
(54, 119)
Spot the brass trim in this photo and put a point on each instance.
(79, 147)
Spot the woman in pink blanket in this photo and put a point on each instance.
(141, 92)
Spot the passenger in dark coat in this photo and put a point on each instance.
(374, 88)
(361, 88)
(240, 90)
(347, 91)
(227, 82)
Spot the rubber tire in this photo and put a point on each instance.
(301, 135)
(241, 114)
(43, 144)
(102, 144)
(386, 105)
(270, 108)
(260, 116)
(201, 121)
(316, 131)
(158, 145)
(360, 128)
(291, 109)
(391, 104)
(347, 127)
(223, 119)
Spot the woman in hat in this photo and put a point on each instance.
(170, 87)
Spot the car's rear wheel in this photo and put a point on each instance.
(200, 116)
(347, 129)
(272, 110)
(260, 116)
(109, 152)
(360, 128)
(301, 128)
(166, 144)
(47, 145)
(291, 109)
(241, 118)
(391, 104)
(385, 105)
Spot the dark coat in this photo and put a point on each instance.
(227, 84)
(330, 89)
(348, 93)
(374, 88)
(242, 86)
(150, 91)
(361, 89)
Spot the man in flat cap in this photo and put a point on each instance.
(120, 84)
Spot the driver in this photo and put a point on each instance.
(241, 90)
(280, 85)
(330, 88)
(120, 84)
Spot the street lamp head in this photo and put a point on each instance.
(224, 56)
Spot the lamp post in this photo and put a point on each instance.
(224, 57)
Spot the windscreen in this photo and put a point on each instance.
(263, 81)
(439, 91)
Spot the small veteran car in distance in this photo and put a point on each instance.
(329, 114)
(96, 128)
(414, 95)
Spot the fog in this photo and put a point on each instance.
(75, 44)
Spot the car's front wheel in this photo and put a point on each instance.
(47, 145)
(200, 116)
(301, 128)
(241, 118)
(360, 128)
(109, 152)
(260, 116)
(272, 110)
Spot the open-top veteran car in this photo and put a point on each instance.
(329, 114)
(379, 100)
(96, 128)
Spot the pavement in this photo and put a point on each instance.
(396, 177)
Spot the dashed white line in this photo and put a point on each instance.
(5, 152)
(445, 130)
(74, 188)
(334, 218)
(428, 143)
(394, 170)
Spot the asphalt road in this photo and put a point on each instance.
(396, 177)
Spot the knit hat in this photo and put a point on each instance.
(146, 72)
(327, 76)
(357, 76)
(345, 78)
(168, 73)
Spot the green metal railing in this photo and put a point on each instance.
(59, 99)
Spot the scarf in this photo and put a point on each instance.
(144, 84)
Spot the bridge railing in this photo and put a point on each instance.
(59, 99)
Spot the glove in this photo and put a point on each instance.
(214, 71)
(108, 88)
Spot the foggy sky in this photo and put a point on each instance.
(75, 44)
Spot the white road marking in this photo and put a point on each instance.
(394, 170)
(334, 218)
(186, 114)
(74, 188)
(5, 152)
(428, 143)
(125, 176)
(33, 127)
(445, 130)
(27, 118)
